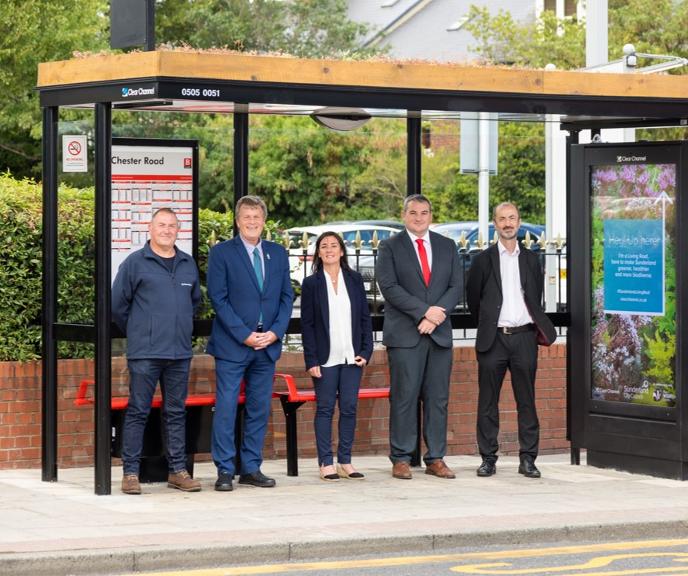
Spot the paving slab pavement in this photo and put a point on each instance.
(64, 528)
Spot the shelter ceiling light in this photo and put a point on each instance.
(341, 119)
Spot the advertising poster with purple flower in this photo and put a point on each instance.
(634, 283)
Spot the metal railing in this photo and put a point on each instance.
(362, 257)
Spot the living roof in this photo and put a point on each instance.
(223, 81)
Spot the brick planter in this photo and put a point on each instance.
(20, 408)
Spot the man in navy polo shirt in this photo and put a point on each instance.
(154, 297)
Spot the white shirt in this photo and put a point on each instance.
(514, 311)
(426, 244)
(341, 338)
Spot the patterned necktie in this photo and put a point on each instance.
(258, 268)
(423, 261)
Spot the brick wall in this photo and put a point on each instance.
(20, 408)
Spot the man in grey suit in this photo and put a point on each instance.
(418, 275)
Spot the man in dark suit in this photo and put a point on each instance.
(250, 289)
(504, 293)
(418, 275)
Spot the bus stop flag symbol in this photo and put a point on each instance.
(74, 149)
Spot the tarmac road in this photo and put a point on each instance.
(600, 559)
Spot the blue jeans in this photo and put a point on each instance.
(341, 381)
(174, 384)
(257, 370)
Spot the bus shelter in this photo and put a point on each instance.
(334, 90)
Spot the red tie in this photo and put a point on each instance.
(423, 261)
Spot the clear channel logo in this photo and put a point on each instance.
(623, 158)
(128, 92)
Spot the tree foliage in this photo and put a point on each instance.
(304, 171)
(306, 28)
(503, 40)
(33, 31)
(652, 26)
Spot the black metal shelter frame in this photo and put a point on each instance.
(614, 104)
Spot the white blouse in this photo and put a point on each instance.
(339, 306)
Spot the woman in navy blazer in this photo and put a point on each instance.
(337, 344)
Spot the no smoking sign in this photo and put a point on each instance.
(74, 148)
(74, 153)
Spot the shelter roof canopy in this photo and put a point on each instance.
(380, 84)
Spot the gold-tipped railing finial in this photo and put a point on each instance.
(358, 242)
(374, 241)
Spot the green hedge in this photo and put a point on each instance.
(20, 269)
(21, 263)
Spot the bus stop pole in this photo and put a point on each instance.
(103, 233)
(240, 155)
(413, 160)
(413, 186)
(49, 342)
(574, 450)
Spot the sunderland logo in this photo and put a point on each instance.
(127, 92)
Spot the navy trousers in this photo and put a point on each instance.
(174, 385)
(257, 370)
(341, 383)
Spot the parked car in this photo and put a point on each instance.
(389, 223)
(454, 230)
(301, 263)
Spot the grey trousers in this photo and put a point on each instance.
(420, 372)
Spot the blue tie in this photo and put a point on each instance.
(258, 268)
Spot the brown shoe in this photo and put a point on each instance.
(130, 484)
(401, 470)
(440, 469)
(182, 481)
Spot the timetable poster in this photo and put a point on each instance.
(146, 178)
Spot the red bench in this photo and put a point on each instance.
(201, 421)
(291, 400)
(120, 403)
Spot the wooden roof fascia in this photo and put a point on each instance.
(362, 74)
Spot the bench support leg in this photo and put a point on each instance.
(290, 409)
(575, 455)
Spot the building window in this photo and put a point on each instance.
(460, 23)
(569, 6)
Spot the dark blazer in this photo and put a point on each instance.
(239, 303)
(315, 318)
(407, 298)
(484, 294)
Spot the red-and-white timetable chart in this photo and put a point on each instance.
(146, 178)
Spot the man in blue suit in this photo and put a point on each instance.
(250, 290)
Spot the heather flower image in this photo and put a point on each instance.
(633, 355)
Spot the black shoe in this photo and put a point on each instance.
(224, 482)
(528, 469)
(487, 468)
(257, 479)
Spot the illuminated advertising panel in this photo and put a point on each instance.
(633, 277)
